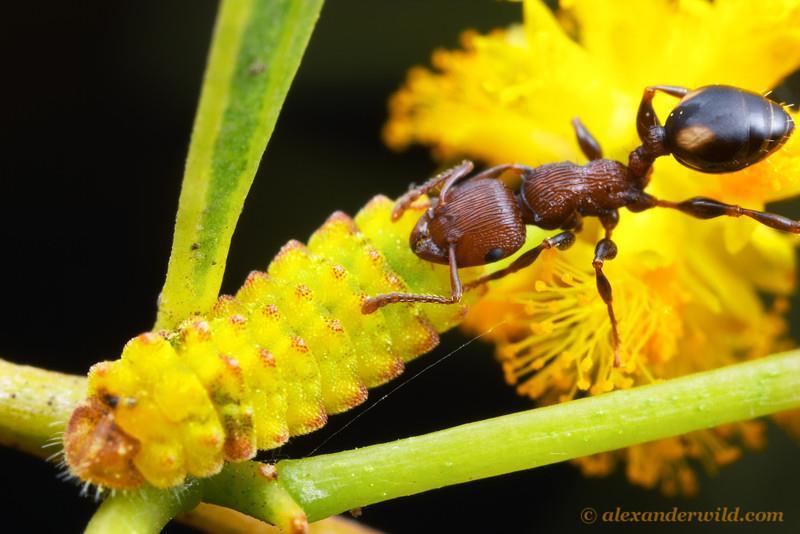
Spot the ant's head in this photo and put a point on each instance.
(423, 244)
(480, 218)
(719, 128)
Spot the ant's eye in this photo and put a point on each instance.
(494, 255)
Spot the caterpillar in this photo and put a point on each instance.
(273, 361)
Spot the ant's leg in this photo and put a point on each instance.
(497, 171)
(607, 250)
(589, 145)
(448, 176)
(372, 304)
(561, 241)
(646, 117)
(708, 208)
(492, 172)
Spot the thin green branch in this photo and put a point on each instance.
(254, 56)
(248, 487)
(332, 483)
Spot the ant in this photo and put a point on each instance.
(714, 129)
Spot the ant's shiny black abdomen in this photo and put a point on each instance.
(719, 128)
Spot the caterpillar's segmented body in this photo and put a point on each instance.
(272, 362)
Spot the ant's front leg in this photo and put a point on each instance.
(588, 143)
(372, 304)
(561, 241)
(708, 208)
(607, 250)
(447, 177)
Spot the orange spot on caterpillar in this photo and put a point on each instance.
(374, 256)
(281, 438)
(304, 292)
(231, 363)
(227, 306)
(339, 272)
(271, 311)
(359, 397)
(395, 370)
(335, 326)
(239, 442)
(319, 421)
(201, 328)
(100, 368)
(395, 281)
(290, 246)
(254, 277)
(299, 344)
(340, 217)
(266, 357)
(148, 338)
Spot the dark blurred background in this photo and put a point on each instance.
(97, 104)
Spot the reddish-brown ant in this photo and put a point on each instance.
(478, 221)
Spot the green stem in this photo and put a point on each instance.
(249, 488)
(332, 483)
(143, 511)
(35, 405)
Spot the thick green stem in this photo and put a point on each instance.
(35, 405)
(143, 511)
(332, 483)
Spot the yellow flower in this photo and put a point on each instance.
(687, 292)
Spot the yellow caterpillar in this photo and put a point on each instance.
(291, 347)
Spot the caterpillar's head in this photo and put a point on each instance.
(97, 450)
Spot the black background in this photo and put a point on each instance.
(97, 106)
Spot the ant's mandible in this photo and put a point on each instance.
(713, 129)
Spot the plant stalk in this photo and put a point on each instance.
(35, 405)
(34, 402)
(332, 483)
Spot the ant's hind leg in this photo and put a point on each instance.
(588, 143)
(447, 177)
(373, 304)
(561, 241)
(708, 208)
